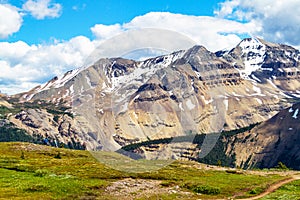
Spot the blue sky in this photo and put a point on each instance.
(40, 39)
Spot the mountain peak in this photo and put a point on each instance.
(200, 54)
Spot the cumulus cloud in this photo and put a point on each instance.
(24, 66)
(102, 31)
(213, 33)
(11, 17)
(15, 87)
(40, 9)
(14, 50)
(275, 20)
(10, 20)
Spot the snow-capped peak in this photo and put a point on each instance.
(143, 71)
(253, 54)
(60, 81)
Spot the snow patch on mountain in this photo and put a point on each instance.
(72, 90)
(295, 115)
(180, 106)
(143, 72)
(255, 78)
(253, 52)
(259, 100)
(59, 82)
(273, 85)
(226, 103)
(207, 101)
(88, 80)
(257, 89)
(190, 104)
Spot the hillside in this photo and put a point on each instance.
(30, 171)
(275, 140)
(261, 145)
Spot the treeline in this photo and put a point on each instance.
(10, 133)
(37, 104)
(194, 138)
(189, 138)
(216, 155)
(240, 130)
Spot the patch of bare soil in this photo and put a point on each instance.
(136, 188)
(32, 147)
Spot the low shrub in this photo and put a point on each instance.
(205, 189)
(41, 173)
(256, 191)
(282, 166)
(58, 156)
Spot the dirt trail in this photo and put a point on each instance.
(273, 187)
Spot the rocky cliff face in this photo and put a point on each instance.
(116, 101)
(273, 141)
(58, 129)
(4, 102)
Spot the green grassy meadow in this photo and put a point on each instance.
(288, 191)
(30, 171)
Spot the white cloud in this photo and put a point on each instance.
(106, 31)
(11, 17)
(14, 50)
(14, 88)
(23, 66)
(213, 33)
(40, 9)
(10, 20)
(275, 20)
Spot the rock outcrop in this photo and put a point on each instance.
(273, 141)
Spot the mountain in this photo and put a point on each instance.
(267, 62)
(3, 101)
(273, 141)
(262, 145)
(117, 102)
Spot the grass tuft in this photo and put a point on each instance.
(41, 172)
